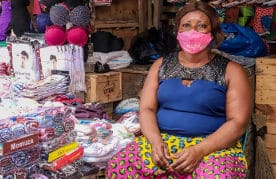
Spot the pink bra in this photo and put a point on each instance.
(56, 35)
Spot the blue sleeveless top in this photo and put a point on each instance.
(197, 109)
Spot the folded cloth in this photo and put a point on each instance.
(93, 110)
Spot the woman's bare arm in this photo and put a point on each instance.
(149, 104)
(238, 111)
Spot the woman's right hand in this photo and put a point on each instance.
(160, 154)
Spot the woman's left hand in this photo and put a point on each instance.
(187, 160)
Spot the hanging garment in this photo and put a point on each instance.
(5, 18)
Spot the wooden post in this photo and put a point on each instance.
(150, 22)
(143, 15)
(157, 10)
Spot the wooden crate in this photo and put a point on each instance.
(133, 80)
(265, 102)
(103, 87)
(265, 80)
(108, 109)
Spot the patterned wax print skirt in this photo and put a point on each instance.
(135, 161)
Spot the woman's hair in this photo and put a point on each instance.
(209, 11)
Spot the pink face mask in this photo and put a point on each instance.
(193, 41)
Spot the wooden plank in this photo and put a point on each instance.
(115, 24)
(270, 141)
(150, 14)
(125, 10)
(274, 169)
(266, 65)
(265, 97)
(170, 9)
(266, 82)
(157, 10)
(271, 155)
(131, 70)
(143, 15)
(271, 127)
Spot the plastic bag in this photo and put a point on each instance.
(242, 41)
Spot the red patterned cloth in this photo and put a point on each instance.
(259, 13)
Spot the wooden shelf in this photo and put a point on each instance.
(115, 24)
(170, 9)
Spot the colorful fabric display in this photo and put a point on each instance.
(50, 145)
(16, 173)
(272, 35)
(51, 122)
(68, 100)
(19, 160)
(261, 12)
(246, 13)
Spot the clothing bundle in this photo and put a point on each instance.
(5, 18)
(91, 111)
(115, 60)
(130, 121)
(19, 148)
(54, 84)
(101, 139)
(11, 106)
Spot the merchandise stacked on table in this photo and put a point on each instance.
(57, 145)
(19, 149)
(52, 85)
(101, 139)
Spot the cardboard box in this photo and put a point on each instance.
(103, 87)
